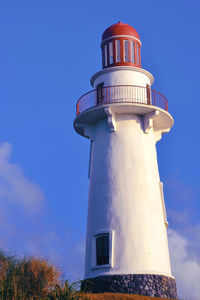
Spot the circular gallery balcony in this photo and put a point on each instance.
(127, 99)
(121, 94)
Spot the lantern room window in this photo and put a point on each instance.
(132, 51)
(121, 52)
(105, 55)
(118, 50)
(110, 52)
(126, 50)
(138, 55)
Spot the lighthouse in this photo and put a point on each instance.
(124, 118)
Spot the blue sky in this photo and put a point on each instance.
(48, 52)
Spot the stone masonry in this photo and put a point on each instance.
(141, 284)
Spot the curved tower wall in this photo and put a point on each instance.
(125, 199)
(122, 76)
(126, 242)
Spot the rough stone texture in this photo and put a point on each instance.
(141, 284)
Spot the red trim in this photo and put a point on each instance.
(122, 62)
(119, 29)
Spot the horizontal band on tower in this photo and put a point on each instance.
(120, 36)
(121, 68)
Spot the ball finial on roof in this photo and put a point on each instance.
(119, 29)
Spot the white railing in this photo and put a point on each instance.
(121, 94)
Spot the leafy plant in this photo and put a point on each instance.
(66, 291)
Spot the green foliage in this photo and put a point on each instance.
(66, 292)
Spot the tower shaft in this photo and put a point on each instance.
(126, 242)
(126, 200)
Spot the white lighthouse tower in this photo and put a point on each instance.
(126, 245)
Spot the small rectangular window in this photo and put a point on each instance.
(126, 50)
(100, 93)
(110, 53)
(138, 55)
(133, 51)
(102, 250)
(118, 50)
(106, 55)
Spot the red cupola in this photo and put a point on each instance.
(120, 46)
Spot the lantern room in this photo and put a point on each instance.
(120, 46)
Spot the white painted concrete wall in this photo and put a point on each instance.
(125, 197)
(123, 76)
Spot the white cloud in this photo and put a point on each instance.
(14, 186)
(26, 229)
(185, 267)
(20, 202)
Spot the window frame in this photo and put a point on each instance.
(126, 48)
(105, 55)
(118, 50)
(90, 157)
(111, 53)
(102, 250)
(110, 234)
(138, 54)
(163, 204)
(132, 54)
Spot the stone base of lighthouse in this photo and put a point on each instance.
(140, 284)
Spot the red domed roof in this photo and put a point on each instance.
(119, 29)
